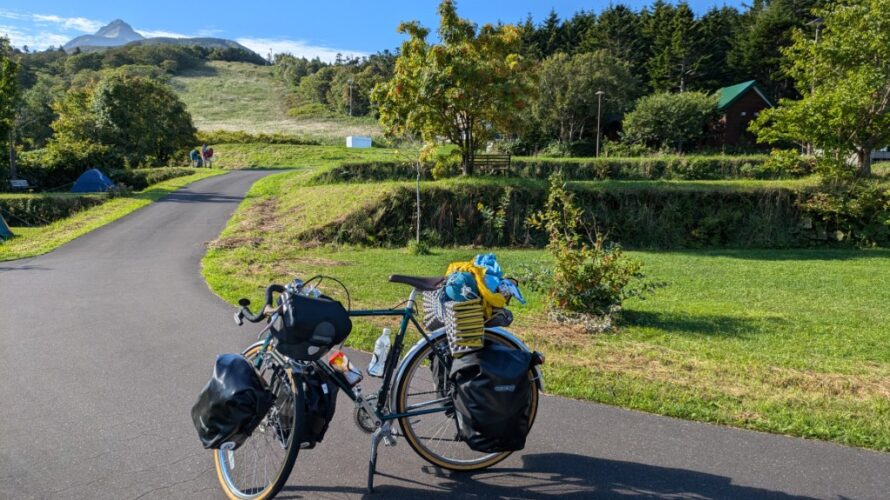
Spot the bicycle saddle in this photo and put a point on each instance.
(421, 283)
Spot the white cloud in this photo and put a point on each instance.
(81, 24)
(295, 47)
(8, 14)
(160, 33)
(35, 41)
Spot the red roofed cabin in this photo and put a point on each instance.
(739, 104)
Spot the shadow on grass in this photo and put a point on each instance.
(804, 254)
(701, 324)
(550, 475)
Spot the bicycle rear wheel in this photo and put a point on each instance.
(434, 436)
(259, 468)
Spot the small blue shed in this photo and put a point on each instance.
(92, 181)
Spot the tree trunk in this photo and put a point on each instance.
(864, 163)
(418, 202)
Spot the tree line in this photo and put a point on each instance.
(625, 53)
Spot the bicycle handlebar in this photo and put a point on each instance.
(245, 311)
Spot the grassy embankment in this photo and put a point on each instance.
(31, 241)
(244, 97)
(786, 341)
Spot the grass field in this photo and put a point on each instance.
(245, 97)
(786, 341)
(295, 156)
(789, 341)
(39, 240)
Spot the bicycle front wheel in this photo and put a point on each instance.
(259, 468)
(434, 436)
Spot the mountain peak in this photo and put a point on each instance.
(120, 30)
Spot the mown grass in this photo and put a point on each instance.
(295, 155)
(29, 242)
(785, 341)
(245, 97)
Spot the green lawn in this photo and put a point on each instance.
(39, 240)
(245, 97)
(786, 341)
(295, 156)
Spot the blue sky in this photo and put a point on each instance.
(308, 28)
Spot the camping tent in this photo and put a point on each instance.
(5, 233)
(92, 181)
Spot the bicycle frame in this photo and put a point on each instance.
(392, 360)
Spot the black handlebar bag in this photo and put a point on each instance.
(492, 398)
(308, 327)
(232, 404)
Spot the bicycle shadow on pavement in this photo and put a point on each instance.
(550, 475)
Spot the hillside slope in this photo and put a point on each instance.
(238, 96)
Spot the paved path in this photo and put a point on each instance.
(105, 343)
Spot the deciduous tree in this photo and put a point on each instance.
(844, 80)
(465, 89)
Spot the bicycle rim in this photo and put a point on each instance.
(434, 436)
(259, 468)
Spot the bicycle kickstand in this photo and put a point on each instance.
(376, 438)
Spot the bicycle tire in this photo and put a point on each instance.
(411, 436)
(292, 450)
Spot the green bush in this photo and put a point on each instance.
(856, 211)
(589, 277)
(677, 167)
(639, 218)
(43, 209)
(141, 178)
(676, 121)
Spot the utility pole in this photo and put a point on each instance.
(12, 156)
(818, 24)
(599, 111)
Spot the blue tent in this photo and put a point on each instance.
(92, 181)
(5, 233)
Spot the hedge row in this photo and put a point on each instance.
(644, 168)
(637, 218)
(229, 137)
(140, 178)
(43, 209)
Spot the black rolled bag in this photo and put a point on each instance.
(308, 327)
(232, 404)
(492, 398)
(321, 403)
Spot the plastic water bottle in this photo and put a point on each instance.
(381, 350)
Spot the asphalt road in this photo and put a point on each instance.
(105, 343)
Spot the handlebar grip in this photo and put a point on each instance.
(245, 312)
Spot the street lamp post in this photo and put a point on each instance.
(351, 81)
(599, 109)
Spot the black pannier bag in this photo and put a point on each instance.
(492, 398)
(308, 327)
(232, 404)
(321, 402)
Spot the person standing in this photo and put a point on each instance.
(207, 155)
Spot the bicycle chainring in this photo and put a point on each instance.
(362, 419)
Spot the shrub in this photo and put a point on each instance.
(857, 211)
(671, 120)
(418, 247)
(40, 210)
(590, 278)
(139, 179)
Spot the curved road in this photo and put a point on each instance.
(105, 343)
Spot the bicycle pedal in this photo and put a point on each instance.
(389, 440)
